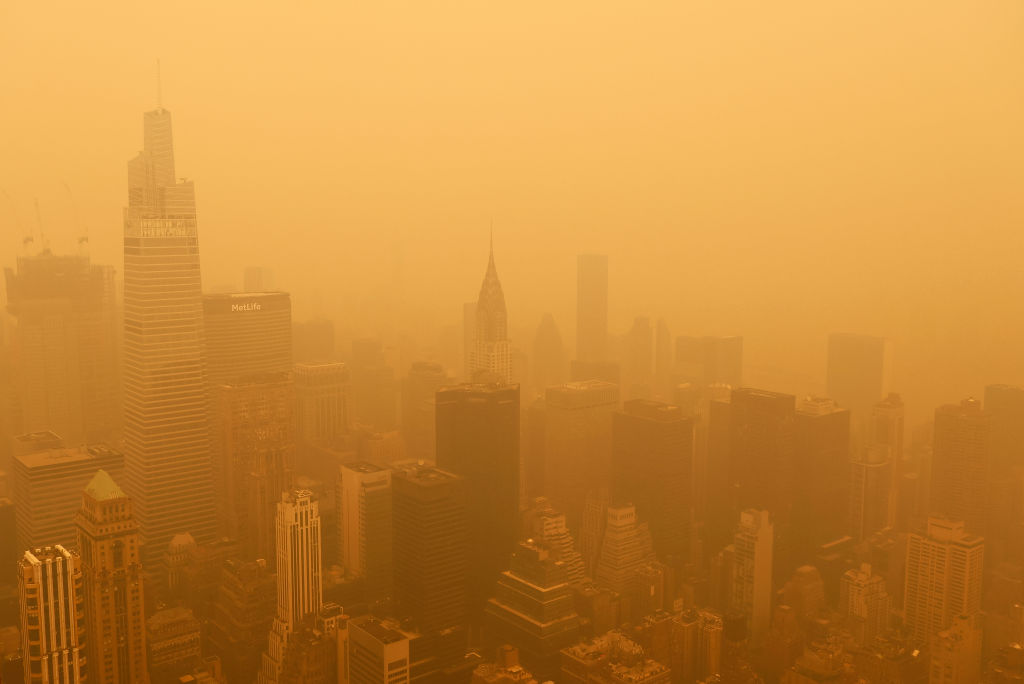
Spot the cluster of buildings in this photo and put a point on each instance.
(197, 490)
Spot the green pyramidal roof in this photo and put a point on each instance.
(102, 487)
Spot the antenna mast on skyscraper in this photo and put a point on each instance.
(159, 87)
(39, 227)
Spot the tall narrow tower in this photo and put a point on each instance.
(167, 440)
(108, 540)
(52, 639)
(491, 359)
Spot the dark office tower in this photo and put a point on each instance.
(258, 279)
(719, 517)
(418, 396)
(363, 507)
(822, 470)
(247, 333)
(47, 489)
(960, 464)
(65, 372)
(550, 366)
(478, 438)
(577, 443)
(652, 467)
(431, 546)
(255, 420)
(710, 360)
(374, 390)
(313, 340)
(491, 357)
(108, 541)
(638, 360)
(592, 308)
(870, 484)
(323, 402)
(533, 609)
(663, 360)
(858, 377)
(53, 638)
(166, 427)
(761, 444)
(242, 614)
(532, 475)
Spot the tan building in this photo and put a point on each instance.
(52, 620)
(108, 540)
(175, 648)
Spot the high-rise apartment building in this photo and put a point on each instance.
(418, 400)
(592, 308)
(112, 581)
(323, 402)
(491, 359)
(864, 602)
(53, 637)
(247, 333)
(166, 426)
(652, 467)
(363, 504)
(752, 570)
(65, 372)
(478, 438)
(533, 609)
(578, 443)
(961, 455)
(943, 577)
(859, 368)
(47, 489)
(431, 546)
(256, 445)
(299, 581)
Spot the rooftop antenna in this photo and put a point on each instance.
(159, 87)
(39, 226)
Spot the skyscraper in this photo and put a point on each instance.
(53, 635)
(478, 438)
(577, 443)
(652, 467)
(364, 525)
(299, 583)
(323, 402)
(625, 549)
(859, 367)
(752, 570)
(864, 602)
(491, 360)
(960, 464)
(431, 546)
(761, 445)
(108, 541)
(870, 492)
(166, 429)
(707, 361)
(550, 366)
(592, 308)
(821, 436)
(64, 347)
(943, 577)
(418, 396)
(247, 333)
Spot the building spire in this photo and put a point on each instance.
(159, 86)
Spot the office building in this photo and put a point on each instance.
(323, 402)
(166, 425)
(175, 646)
(577, 443)
(857, 377)
(865, 604)
(431, 546)
(546, 525)
(242, 615)
(625, 549)
(706, 361)
(821, 452)
(256, 446)
(299, 576)
(652, 467)
(374, 388)
(592, 308)
(504, 670)
(752, 570)
(377, 652)
(961, 455)
(478, 439)
(48, 491)
(943, 577)
(418, 401)
(247, 333)
(363, 504)
(532, 609)
(611, 658)
(315, 648)
(550, 365)
(491, 357)
(112, 583)
(637, 356)
(870, 492)
(52, 617)
(761, 444)
(64, 347)
(955, 653)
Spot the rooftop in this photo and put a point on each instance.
(103, 488)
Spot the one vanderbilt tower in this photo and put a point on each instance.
(167, 441)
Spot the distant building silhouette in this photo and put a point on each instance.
(592, 308)
(858, 376)
(550, 364)
(491, 359)
(418, 400)
(363, 503)
(961, 456)
(707, 361)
